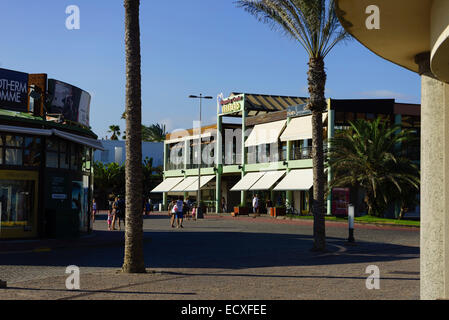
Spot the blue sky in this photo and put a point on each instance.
(188, 47)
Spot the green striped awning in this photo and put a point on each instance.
(261, 103)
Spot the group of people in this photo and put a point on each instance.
(178, 208)
(116, 212)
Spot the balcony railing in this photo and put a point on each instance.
(174, 166)
(195, 165)
(301, 153)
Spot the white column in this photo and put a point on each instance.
(434, 184)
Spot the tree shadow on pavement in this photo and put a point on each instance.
(215, 250)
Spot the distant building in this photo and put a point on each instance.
(115, 151)
(273, 158)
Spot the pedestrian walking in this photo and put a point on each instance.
(94, 210)
(256, 205)
(115, 210)
(194, 210)
(186, 209)
(223, 205)
(121, 211)
(179, 213)
(172, 213)
(110, 218)
(147, 208)
(110, 213)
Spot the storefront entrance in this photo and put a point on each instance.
(18, 204)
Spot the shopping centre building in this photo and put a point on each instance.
(273, 158)
(46, 146)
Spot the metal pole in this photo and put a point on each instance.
(351, 223)
(199, 209)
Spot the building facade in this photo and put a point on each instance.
(46, 147)
(267, 151)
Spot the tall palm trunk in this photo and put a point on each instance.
(134, 260)
(317, 104)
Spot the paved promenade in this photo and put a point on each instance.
(220, 257)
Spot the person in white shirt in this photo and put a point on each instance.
(256, 205)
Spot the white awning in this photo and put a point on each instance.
(167, 184)
(248, 181)
(24, 130)
(93, 143)
(301, 179)
(268, 180)
(184, 184)
(266, 133)
(203, 181)
(299, 128)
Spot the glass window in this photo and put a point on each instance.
(75, 157)
(52, 159)
(34, 142)
(13, 157)
(32, 152)
(31, 157)
(370, 116)
(360, 116)
(52, 144)
(14, 141)
(16, 198)
(64, 160)
(63, 146)
(64, 155)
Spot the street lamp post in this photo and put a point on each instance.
(199, 212)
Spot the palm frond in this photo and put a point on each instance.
(312, 23)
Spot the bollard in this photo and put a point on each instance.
(351, 223)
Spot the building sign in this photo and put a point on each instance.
(70, 101)
(298, 111)
(232, 104)
(13, 90)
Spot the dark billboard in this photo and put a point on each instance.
(13, 90)
(70, 101)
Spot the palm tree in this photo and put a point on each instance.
(154, 133)
(115, 130)
(367, 156)
(315, 26)
(134, 258)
